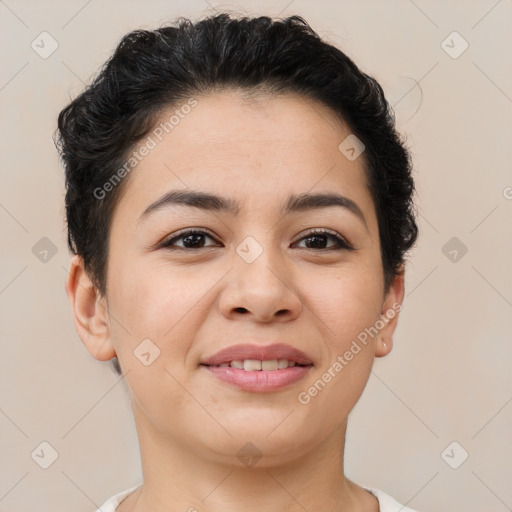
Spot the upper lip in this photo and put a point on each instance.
(259, 352)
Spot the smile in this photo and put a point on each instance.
(256, 364)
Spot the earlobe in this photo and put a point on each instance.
(391, 308)
(383, 346)
(89, 311)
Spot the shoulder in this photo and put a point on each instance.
(111, 504)
(387, 503)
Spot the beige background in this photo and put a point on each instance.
(448, 377)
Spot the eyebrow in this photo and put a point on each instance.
(295, 203)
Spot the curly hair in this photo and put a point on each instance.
(150, 71)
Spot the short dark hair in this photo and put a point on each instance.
(152, 70)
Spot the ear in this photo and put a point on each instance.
(391, 308)
(90, 312)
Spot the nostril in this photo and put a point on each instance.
(241, 310)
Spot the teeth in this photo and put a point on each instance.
(269, 365)
(255, 364)
(252, 364)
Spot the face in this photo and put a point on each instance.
(185, 282)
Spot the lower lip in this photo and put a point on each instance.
(259, 380)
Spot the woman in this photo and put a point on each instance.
(239, 207)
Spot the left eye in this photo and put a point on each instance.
(317, 240)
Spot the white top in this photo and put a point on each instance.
(386, 503)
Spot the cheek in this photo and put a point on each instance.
(346, 301)
(346, 310)
(157, 310)
(145, 304)
(159, 302)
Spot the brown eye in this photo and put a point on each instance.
(319, 238)
(191, 239)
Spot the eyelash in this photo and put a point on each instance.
(342, 243)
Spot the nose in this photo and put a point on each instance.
(262, 291)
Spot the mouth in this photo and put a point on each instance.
(254, 365)
(258, 368)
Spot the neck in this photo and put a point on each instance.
(178, 477)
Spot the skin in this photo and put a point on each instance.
(191, 425)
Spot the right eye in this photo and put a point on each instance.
(192, 239)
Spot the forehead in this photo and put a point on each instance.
(255, 147)
(234, 119)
